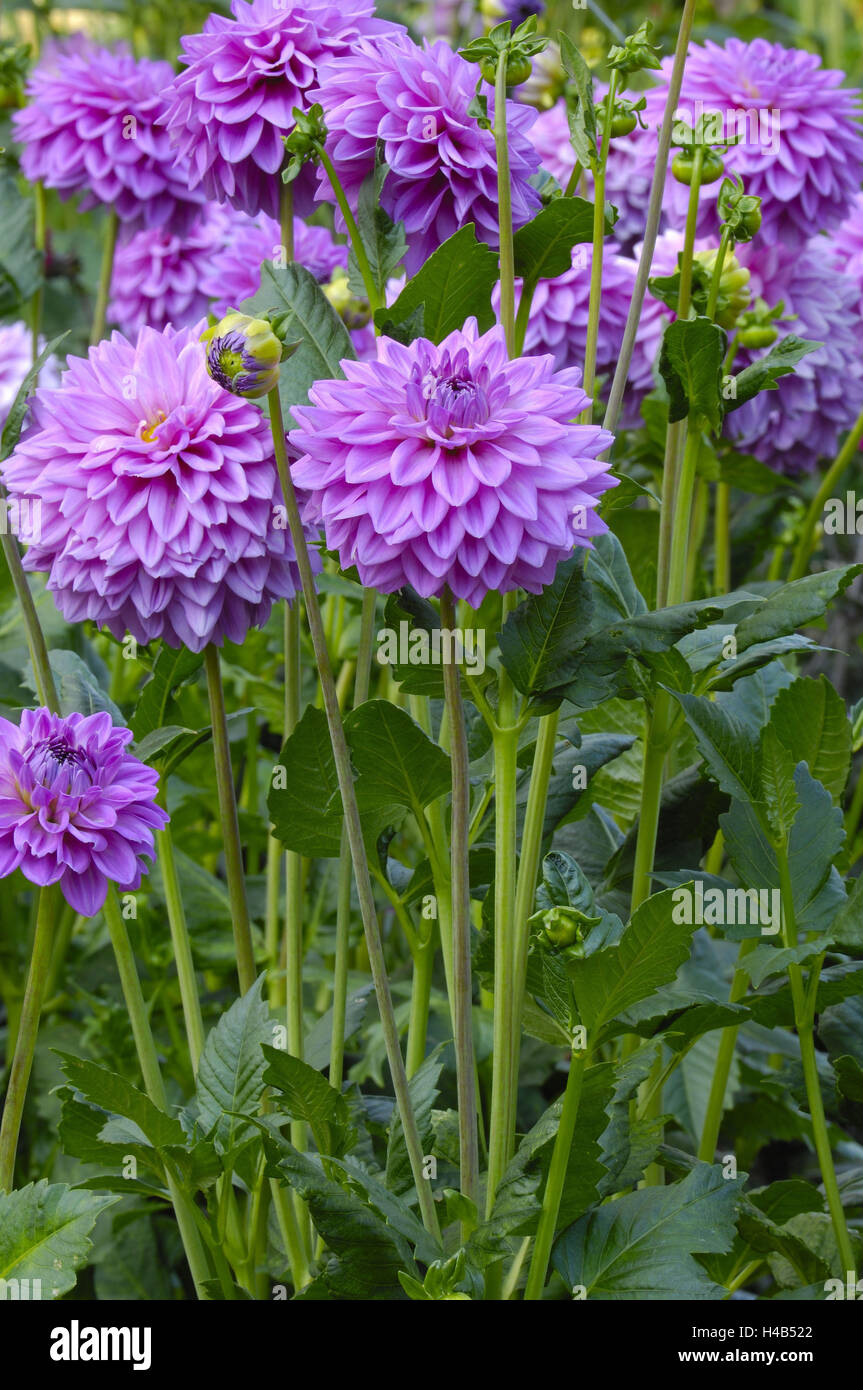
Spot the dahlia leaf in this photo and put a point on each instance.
(230, 1073)
(383, 240)
(304, 1094)
(810, 721)
(690, 363)
(580, 114)
(77, 686)
(543, 246)
(406, 767)
(781, 803)
(118, 1096)
(20, 263)
(15, 419)
(44, 1236)
(641, 1246)
(319, 1039)
(541, 639)
(794, 605)
(305, 314)
(846, 928)
(424, 1091)
(455, 284)
(764, 374)
(171, 669)
(728, 748)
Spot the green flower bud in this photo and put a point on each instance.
(243, 354)
(683, 166)
(733, 286)
(636, 53)
(564, 928)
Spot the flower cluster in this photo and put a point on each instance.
(158, 488)
(451, 465)
(233, 272)
(76, 808)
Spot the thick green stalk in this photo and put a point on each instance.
(460, 898)
(341, 755)
(504, 204)
(597, 251)
(103, 294)
(39, 243)
(556, 1178)
(293, 862)
(244, 947)
(182, 947)
(654, 213)
(680, 529)
(28, 1028)
(829, 483)
(722, 540)
(153, 1083)
(724, 1058)
(372, 293)
(362, 681)
(42, 673)
(421, 982)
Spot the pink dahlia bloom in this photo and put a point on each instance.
(161, 278)
(449, 464)
(233, 272)
(158, 492)
(442, 164)
(794, 427)
(559, 310)
(75, 807)
(847, 247)
(90, 129)
(16, 360)
(801, 146)
(230, 108)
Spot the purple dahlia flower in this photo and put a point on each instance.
(75, 807)
(442, 164)
(451, 465)
(158, 490)
(230, 108)
(233, 273)
(15, 362)
(801, 145)
(792, 428)
(559, 309)
(847, 247)
(161, 278)
(90, 128)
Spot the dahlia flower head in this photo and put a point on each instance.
(90, 128)
(801, 145)
(233, 272)
(559, 309)
(15, 362)
(75, 807)
(794, 427)
(449, 464)
(158, 490)
(229, 109)
(847, 247)
(161, 278)
(442, 163)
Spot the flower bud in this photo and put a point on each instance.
(243, 354)
(733, 286)
(563, 928)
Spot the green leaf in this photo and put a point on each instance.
(454, 284)
(44, 1234)
(781, 802)
(541, 638)
(20, 263)
(641, 1246)
(794, 605)
(809, 719)
(398, 759)
(615, 592)
(307, 315)
(171, 669)
(846, 928)
(319, 1039)
(690, 362)
(837, 983)
(648, 954)
(231, 1069)
(307, 1095)
(119, 1097)
(764, 374)
(543, 246)
(581, 114)
(383, 240)
(77, 686)
(15, 418)
(727, 746)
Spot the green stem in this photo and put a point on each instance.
(39, 243)
(153, 1083)
(722, 540)
(362, 681)
(724, 1059)
(293, 862)
(556, 1178)
(460, 888)
(182, 946)
(685, 292)
(421, 982)
(680, 529)
(103, 294)
(286, 219)
(504, 203)
(654, 213)
(522, 318)
(341, 755)
(28, 1028)
(597, 251)
(42, 673)
(806, 542)
(372, 292)
(572, 181)
(716, 278)
(271, 930)
(244, 947)
(655, 750)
